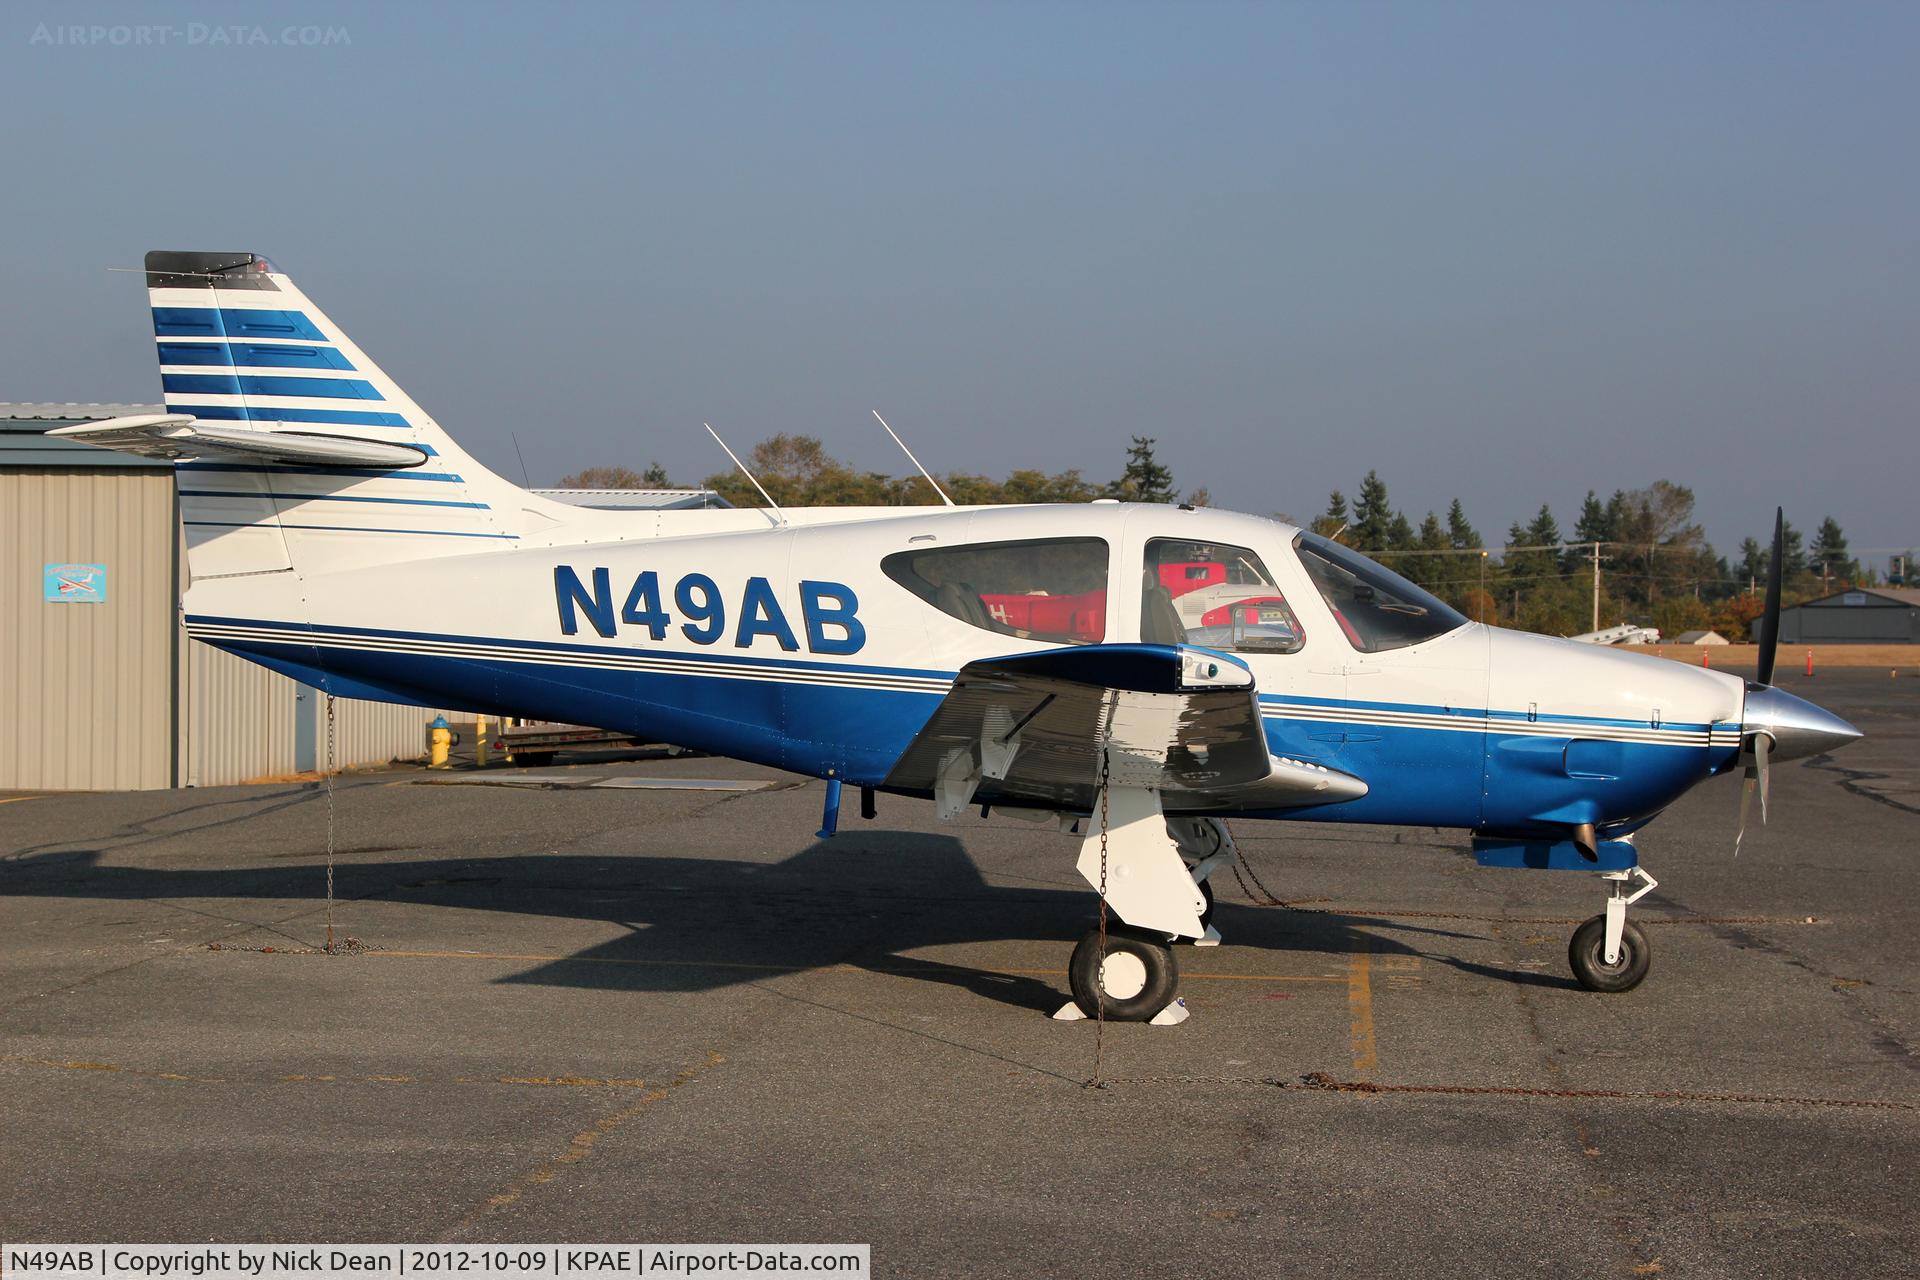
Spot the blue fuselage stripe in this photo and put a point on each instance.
(784, 718)
(1281, 701)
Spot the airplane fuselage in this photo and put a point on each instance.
(792, 646)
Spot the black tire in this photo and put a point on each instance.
(1588, 950)
(532, 759)
(1156, 987)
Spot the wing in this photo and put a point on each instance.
(1184, 721)
(181, 437)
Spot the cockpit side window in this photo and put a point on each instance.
(1217, 596)
(1049, 589)
(1376, 607)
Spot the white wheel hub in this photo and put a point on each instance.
(1123, 975)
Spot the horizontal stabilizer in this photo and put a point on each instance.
(183, 438)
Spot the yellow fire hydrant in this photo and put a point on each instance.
(439, 741)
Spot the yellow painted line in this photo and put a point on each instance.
(1366, 1053)
(18, 799)
(114, 1068)
(575, 1082)
(578, 1148)
(544, 958)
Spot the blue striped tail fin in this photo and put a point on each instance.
(241, 346)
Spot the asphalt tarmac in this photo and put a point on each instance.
(576, 1012)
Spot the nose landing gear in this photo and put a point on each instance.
(1607, 953)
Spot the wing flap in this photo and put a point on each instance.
(182, 438)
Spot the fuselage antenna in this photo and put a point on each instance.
(915, 461)
(781, 515)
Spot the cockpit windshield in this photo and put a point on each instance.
(1376, 607)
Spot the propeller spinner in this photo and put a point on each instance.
(1777, 725)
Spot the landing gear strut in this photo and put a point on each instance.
(1206, 846)
(1607, 953)
(1139, 861)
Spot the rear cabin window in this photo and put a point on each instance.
(1051, 589)
(1209, 594)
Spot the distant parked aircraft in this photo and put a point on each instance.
(1622, 634)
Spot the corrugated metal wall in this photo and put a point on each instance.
(85, 698)
(87, 690)
(1842, 624)
(241, 724)
(237, 720)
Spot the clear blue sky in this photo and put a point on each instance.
(1504, 252)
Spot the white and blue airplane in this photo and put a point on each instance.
(1136, 672)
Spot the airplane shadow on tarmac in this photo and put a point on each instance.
(864, 899)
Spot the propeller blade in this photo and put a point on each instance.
(1756, 781)
(1769, 635)
(1747, 789)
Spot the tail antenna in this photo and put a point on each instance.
(915, 461)
(781, 516)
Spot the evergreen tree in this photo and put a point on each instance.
(1146, 480)
(655, 477)
(1334, 523)
(1459, 532)
(1545, 530)
(1828, 556)
(1372, 515)
(1752, 569)
(1594, 525)
(1400, 534)
(1536, 566)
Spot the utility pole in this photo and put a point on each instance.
(1596, 586)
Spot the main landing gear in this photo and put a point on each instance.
(1155, 871)
(1608, 953)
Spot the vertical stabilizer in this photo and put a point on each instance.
(241, 347)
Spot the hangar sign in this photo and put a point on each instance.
(74, 584)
